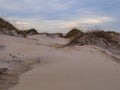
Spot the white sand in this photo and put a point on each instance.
(85, 69)
(77, 68)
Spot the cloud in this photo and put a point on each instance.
(43, 25)
(53, 15)
(49, 6)
(11, 5)
(38, 6)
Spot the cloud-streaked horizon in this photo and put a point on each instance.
(61, 15)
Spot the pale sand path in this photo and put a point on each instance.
(83, 68)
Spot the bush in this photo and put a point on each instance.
(97, 37)
(73, 33)
(9, 29)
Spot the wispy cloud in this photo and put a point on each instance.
(53, 15)
(58, 25)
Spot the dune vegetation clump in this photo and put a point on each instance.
(73, 33)
(7, 28)
(31, 31)
(6, 25)
(58, 35)
(3, 70)
(106, 39)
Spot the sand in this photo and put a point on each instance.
(69, 68)
(85, 69)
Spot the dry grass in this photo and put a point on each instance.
(73, 33)
(6, 25)
(97, 37)
(7, 28)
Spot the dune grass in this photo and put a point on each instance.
(73, 33)
(8, 28)
(97, 37)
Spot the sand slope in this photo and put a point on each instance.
(79, 68)
(75, 68)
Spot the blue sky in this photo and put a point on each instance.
(62, 15)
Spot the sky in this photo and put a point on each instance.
(62, 15)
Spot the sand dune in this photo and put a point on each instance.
(69, 68)
(81, 69)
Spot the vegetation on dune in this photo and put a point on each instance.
(73, 33)
(110, 36)
(8, 28)
(59, 35)
(3, 70)
(30, 31)
(6, 25)
(52, 34)
(77, 37)
(97, 37)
